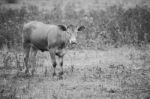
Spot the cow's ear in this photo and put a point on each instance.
(62, 27)
(81, 28)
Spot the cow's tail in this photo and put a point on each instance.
(22, 36)
(23, 48)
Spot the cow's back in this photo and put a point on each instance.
(29, 28)
(36, 33)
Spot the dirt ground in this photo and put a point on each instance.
(121, 73)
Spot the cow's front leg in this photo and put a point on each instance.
(60, 55)
(61, 65)
(53, 59)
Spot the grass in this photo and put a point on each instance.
(114, 26)
(106, 73)
(81, 4)
(120, 73)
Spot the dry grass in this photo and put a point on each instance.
(121, 73)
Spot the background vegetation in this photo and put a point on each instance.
(114, 26)
(116, 73)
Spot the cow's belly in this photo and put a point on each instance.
(39, 40)
(40, 45)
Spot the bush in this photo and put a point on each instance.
(12, 1)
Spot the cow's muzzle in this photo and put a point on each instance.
(73, 41)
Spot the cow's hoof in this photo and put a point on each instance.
(54, 74)
(27, 75)
(33, 72)
(26, 71)
(60, 77)
(61, 73)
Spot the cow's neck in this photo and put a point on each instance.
(65, 37)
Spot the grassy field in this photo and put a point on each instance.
(102, 66)
(121, 73)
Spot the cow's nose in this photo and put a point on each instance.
(73, 42)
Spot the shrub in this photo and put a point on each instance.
(11, 1)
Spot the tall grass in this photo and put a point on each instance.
(114, 26)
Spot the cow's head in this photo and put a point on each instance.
(72, 32)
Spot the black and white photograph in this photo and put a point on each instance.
(74, 49)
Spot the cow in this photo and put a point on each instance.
(48, 37)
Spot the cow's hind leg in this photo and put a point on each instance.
(33, 59)
(60, 55)
(53, 59)
(26, 58)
